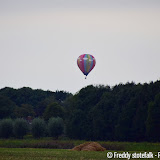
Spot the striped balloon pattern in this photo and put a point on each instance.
(86, 63)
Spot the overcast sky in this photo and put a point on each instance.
(40, 41)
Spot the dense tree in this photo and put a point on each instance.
(139, 119)
(76, 125)
(20, 128)
(27, 95)
(78, 110)
(117, 113)
(153, 120)
(61, 96)
(55, 127)
(6, 107)
(24, 111)
(103, 120)
(42, 105)
(54, 110)
(6, 128)
(124, 112)
(38, 128)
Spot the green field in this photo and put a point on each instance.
(52, 154)
(68, 144)
(47, 154)
(49, 149)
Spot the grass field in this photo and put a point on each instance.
(49, 149)
(68, 144)
(47, 154)
(53, 154)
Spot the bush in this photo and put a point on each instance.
(6, 128)
(38, 128)
(55, 127)
(20, 127)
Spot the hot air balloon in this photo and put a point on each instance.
(86, 63)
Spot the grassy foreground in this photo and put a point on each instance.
(55, 154)
(68, 144)
(48, 154)
(49, 149)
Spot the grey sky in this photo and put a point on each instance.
(40, 41)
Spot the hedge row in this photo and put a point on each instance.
(18, 128)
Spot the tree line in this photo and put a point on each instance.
(19, 127)
(124, 112)
(24, 102)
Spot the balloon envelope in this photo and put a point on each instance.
(86, 63)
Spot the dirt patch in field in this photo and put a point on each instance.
(89, 146)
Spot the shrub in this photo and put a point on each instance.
(38, 128)
(20, 127)
(55, 127)
(6, 128)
